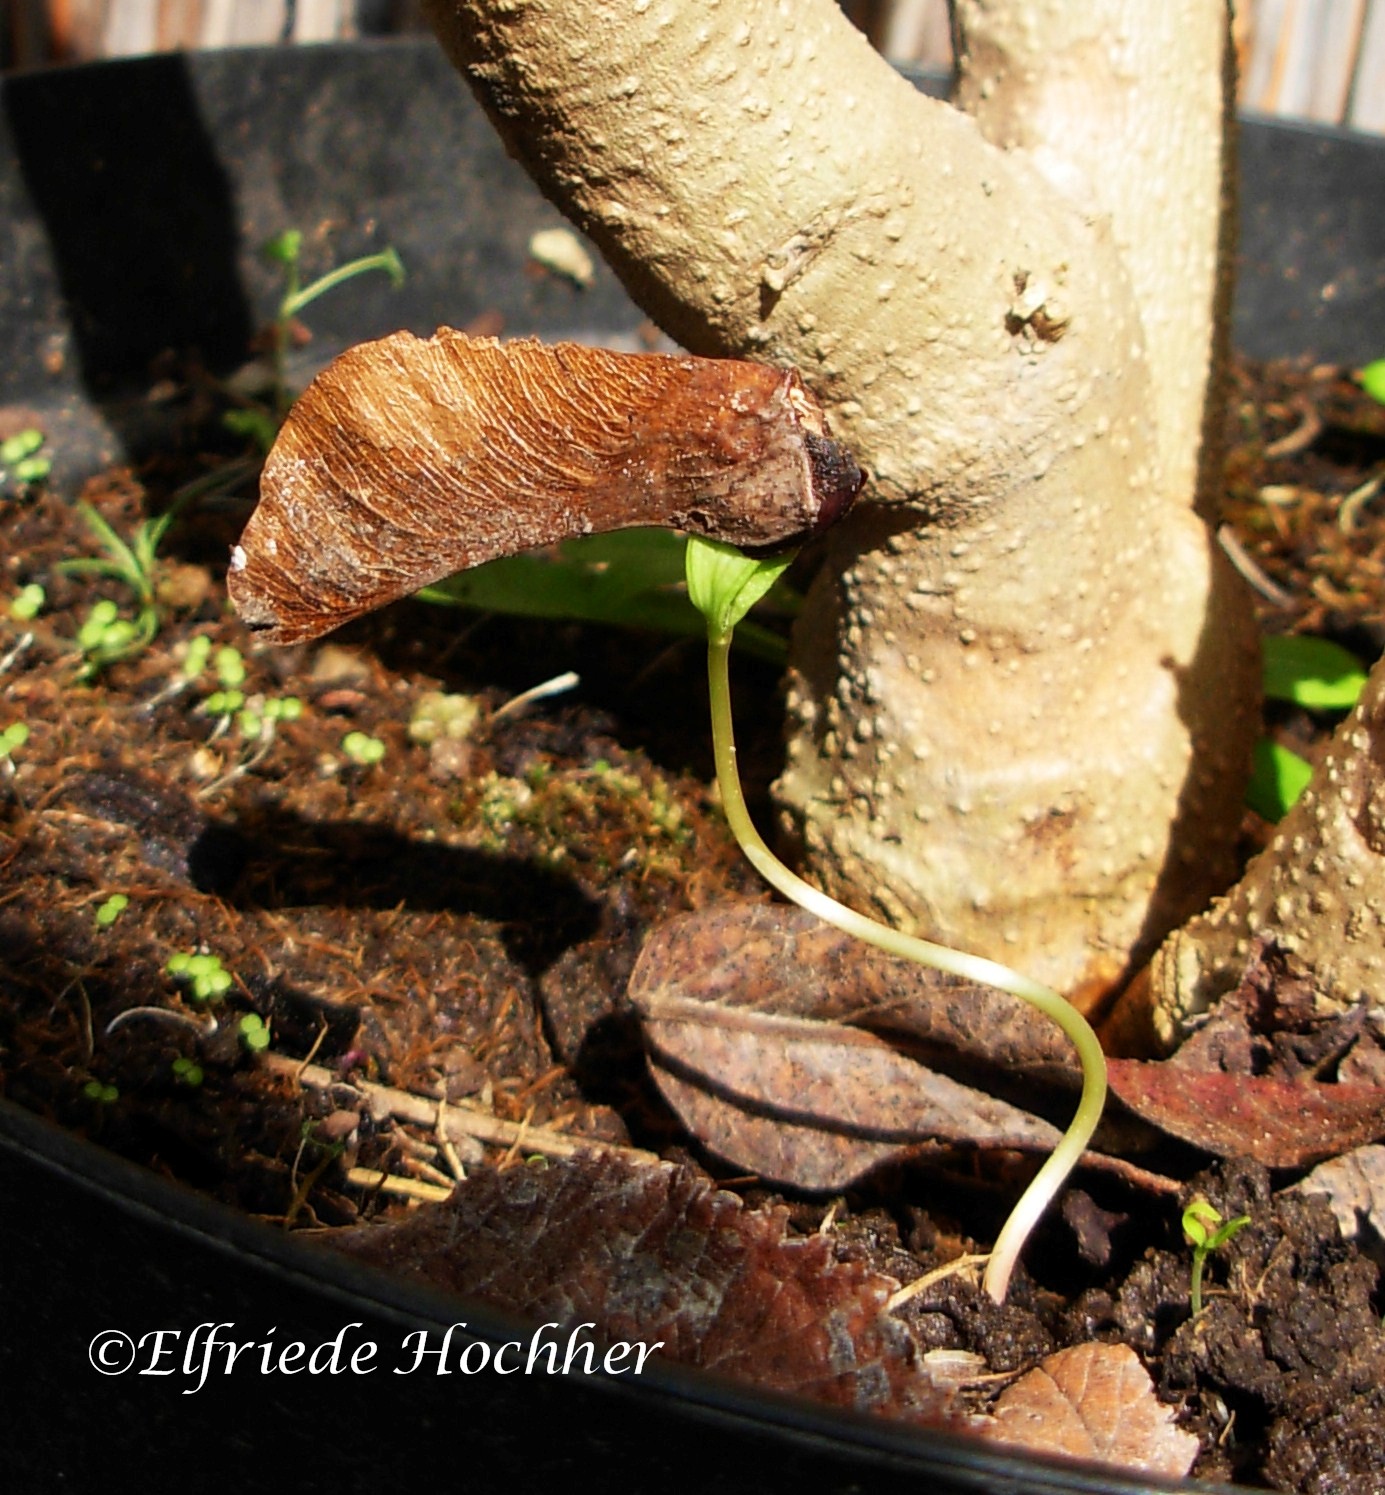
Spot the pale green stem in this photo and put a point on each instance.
(295, 300)
(1064, 1158)
(1195, 1284)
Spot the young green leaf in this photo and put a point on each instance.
(629, 577)
(1277, 778)
(724, 583)
(19, 446)
(1312, 672)
(285, 247)
(1206, 1231)
(1373, 380)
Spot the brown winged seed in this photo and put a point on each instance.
(408, 459)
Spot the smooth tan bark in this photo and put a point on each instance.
(1022, 687)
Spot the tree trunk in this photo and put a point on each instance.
(1023, 686)
(1317, 893)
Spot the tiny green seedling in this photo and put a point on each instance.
(224, 703)
(12, 739)
(101, 1093)
(1372, 379)
(230, 667)
(105, 637)
(111, 910)
(22, 463)
(199, 651)
(1278, 777)
(259, 723)
(28, 603)
(205, 974)
(1206, 1231)
(362, 749)
(187, 1072)
(254, 1033)
(724, 584)
(286, 250)
(196, 654)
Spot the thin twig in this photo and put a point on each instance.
(204, 1027)
(1301, 437)
(394, 1183)
(457, 1121)
(1240, 558)
(445, 1145)
(568, 680)
(952, 1268)
(1356, 500)
(23, 643)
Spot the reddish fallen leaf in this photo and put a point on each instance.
(812, 1104)
(1094, 1401)
(409, 458)
(1279, 1123)
(651, 1252)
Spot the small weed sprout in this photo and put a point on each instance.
(198, 652)
(254, 420)
(187, 1072)
(362, 749)
(257, 718)
(11, 740)
(111, 910)
(254, 1033)
(230, 667)
(1206, 1231)
(258, 723)
(28, 603)
(1372, 380)
(22, 464)
(724, 585)
(104, 636)
(134, 564)
(100, 1092)
(204, 974)
(224, 703)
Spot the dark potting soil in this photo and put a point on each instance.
(457, 920)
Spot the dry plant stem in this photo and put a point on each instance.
(392, 1183)
(450, 1121)
(1064, 1158)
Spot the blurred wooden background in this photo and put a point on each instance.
(1308, 59)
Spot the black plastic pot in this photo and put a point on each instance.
(135, 196)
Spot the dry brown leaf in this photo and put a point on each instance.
(408, 459)
(781, 959)
(1094, 1401)
(653, 1253)
(734, 1002)
(814, 1104)
(1280, 1123)
(1354, 1185)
